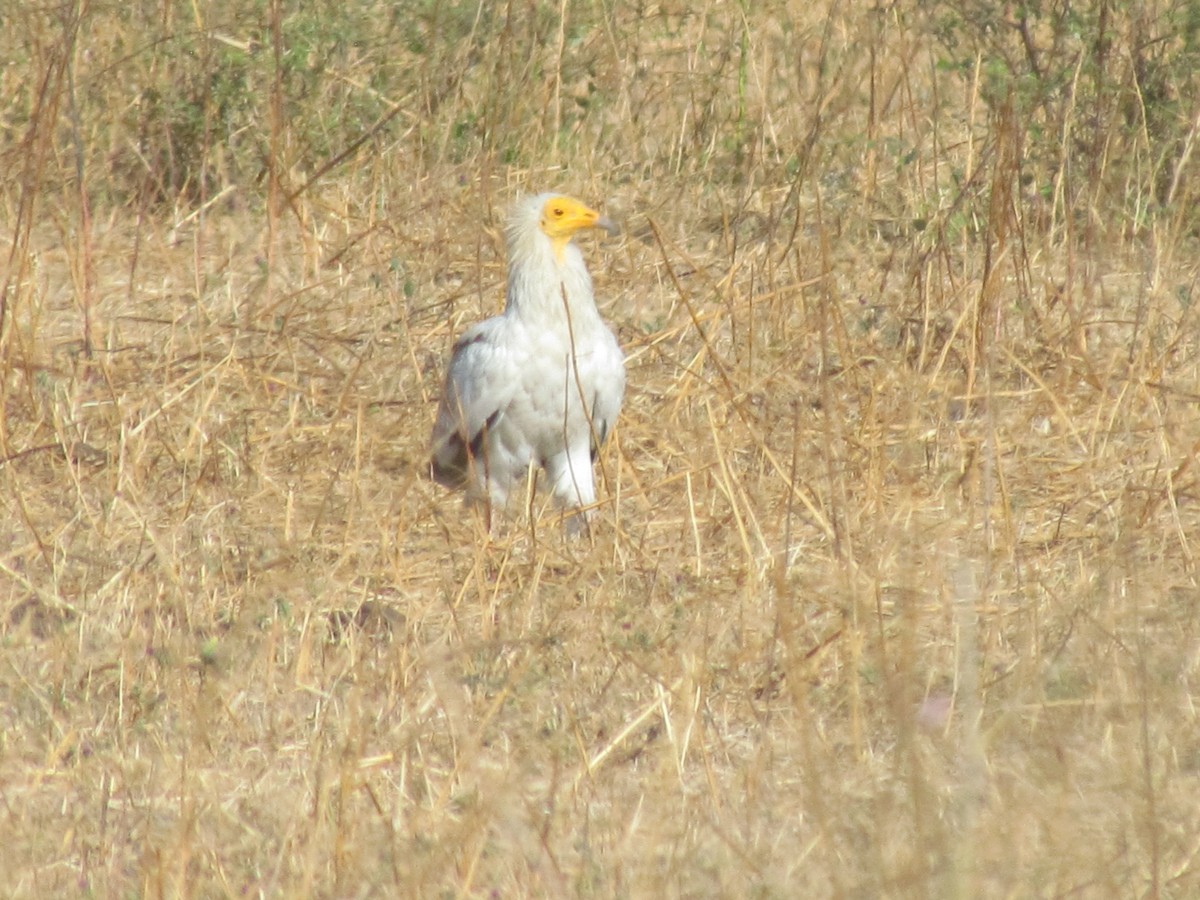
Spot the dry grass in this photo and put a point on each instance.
(893, 592)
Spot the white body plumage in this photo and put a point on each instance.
(542, 383)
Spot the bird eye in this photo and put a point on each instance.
(558, 211)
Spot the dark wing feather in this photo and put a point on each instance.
(450, 465)
(599, 428)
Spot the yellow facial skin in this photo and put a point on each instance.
(563, 216)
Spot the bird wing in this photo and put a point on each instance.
(608, 386)
(480, 382)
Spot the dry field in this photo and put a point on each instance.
(892, 591)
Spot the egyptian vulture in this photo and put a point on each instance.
(540, 384)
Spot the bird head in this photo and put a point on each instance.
(563, 216)
(559, 218)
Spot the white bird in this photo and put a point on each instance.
(542, 383)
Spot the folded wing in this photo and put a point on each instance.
(479, 387)
(609, 389)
